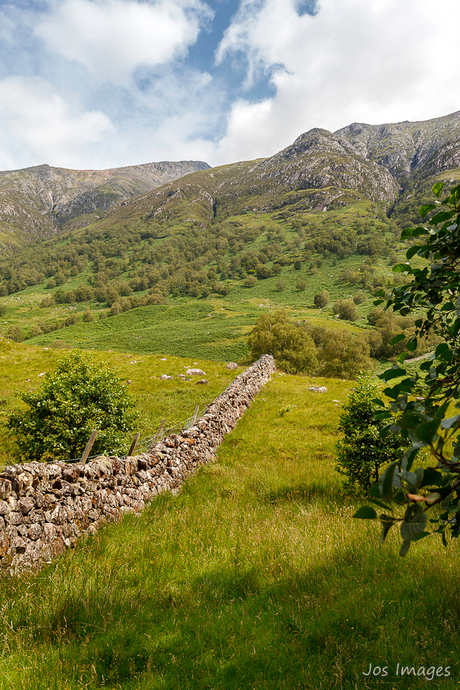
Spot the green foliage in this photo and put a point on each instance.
(429, 422)
(362, 451)
(321, 299)
(346, 309)
(343, 355)
(291, 346)
(79, 397)
(16, 334)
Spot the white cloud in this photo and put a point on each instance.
(355, 60)
(37, 125)
(113, 37)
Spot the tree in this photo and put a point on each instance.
(408, 494)
(291, 346)
(321, 299)
(79, 397)
(346, 309)
(16, 334)
(343, 355)
(362, 452)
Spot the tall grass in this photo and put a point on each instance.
(254, 576)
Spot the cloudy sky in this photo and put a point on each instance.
(105, 83)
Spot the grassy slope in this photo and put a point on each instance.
(22, 368)
(255, 576)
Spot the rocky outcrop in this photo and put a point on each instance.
(36, 202)
(407, 148)
(44, 508)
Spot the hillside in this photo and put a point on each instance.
(37, 202)
(324, 213)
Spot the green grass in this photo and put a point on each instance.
(254, 576)
(22, 368)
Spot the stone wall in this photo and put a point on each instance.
(44, 508)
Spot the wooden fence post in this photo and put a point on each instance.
(195, 415)
(160, 429)
(89, 445)
(134, 444)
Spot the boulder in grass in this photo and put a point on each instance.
(166, 377)
(318, 389)
(204, 382)
(232, 365)
(195, 372)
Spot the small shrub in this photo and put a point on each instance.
(321, 299)
(363, 450)
(250, 282)
(16, 334)
(346, 309)
(79, 397)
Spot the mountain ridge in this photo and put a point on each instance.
(38, 201)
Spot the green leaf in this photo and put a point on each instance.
(450, 422)
(412, 251)
(386, 481)
(431, 477)
(414, 523)
(441, 217)
(402, 268)
(387, 523)
(426, 432)
(394, 373)
(433, 497)
(397, 339)
(365, 513)
(404, 548)
(437, 188)
(423, 210)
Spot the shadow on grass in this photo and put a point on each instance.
(303, 493)
(233, 627)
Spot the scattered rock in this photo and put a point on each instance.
(202, 381)
(195, 372)
(232, 365)
(165, 377)
(318, 389)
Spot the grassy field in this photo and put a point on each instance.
(22, 368)
(255, 576)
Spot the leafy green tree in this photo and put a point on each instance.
(291, 346)
(79, 397)
(342, 354)
(362, 452)
(321, 299)
(16, 334)
(409, 495)
(346, 309)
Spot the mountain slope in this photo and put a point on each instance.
(408, 149)
(36, 202)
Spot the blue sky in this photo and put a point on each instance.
(104, 83)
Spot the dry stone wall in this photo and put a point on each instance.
(44, 508)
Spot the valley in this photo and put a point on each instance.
(254, 575)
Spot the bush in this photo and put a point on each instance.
(79, 397)
(250, 282)
(343, 354)
(363, 451)
(16, 334)
(291, 346)
(321, 299)
(346, 309)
